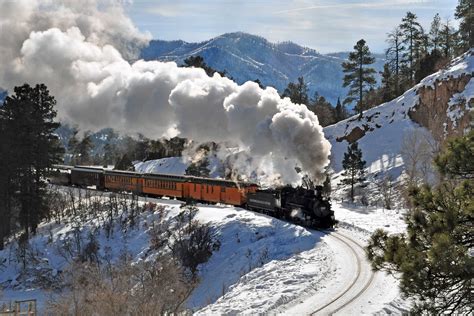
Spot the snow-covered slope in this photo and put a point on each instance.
(248, 57)
(439, 104)
(248, 241)
(177, 166)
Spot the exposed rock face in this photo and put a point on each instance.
(433, 107)
(353, 136)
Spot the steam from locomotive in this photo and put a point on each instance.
(86, 63)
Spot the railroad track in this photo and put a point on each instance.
(346, 297)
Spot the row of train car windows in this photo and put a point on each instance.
(209, 188)
(124, 180)
(160, 184)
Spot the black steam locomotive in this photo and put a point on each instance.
(298, 205)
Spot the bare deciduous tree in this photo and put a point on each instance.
(417, 153)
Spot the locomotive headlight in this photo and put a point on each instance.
(297, 213)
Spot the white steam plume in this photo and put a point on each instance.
(78, 51)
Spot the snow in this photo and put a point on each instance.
(248, 241)
(386, 124)
(366, 219)
(266, 288)
(177, 166)
(263, 264)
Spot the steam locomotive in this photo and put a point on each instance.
(298, 205)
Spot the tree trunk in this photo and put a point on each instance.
(361, 83)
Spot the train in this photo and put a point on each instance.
(303, 206)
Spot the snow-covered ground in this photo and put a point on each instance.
(177, 166)
(263, 265)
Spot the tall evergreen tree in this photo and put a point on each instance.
(324, 110)
(465, 14)
(340, 112)
(198, 62)
(435, 29)
(353, 165)
(387, 88)
(412, 39)
(6, 185)
(124, 163)
(394, 56)
(29, 116)
(297, 92)
(358, 76)
(447, 39)
(434, 256)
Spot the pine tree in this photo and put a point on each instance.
(353, 165)
(465, 13)
(198, 62)
(433, 257)
(297, 92)
(358, 77)
(124, 163)
(387, 89)
(340, 112)
(447, 39)
(435, 29)
(457, 160)
(412, 39)
(394, 55)
(6, 185)
(323, 110)
(29, 116)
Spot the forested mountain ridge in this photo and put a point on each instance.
(247, 57)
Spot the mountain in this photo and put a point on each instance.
(248, 57)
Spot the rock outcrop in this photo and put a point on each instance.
(438, 102)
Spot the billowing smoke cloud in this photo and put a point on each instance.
(85, 56)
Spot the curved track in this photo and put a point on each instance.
(360, 282)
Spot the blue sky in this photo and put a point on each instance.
(327, 26)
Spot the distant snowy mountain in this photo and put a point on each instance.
(248, 57)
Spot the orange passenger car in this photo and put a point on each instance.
(123, 181)
(164, 185)
(218, 191)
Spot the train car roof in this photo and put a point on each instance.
(164, 176)
(222, 182)
(88, 169)
(124, 173)
(64, 167)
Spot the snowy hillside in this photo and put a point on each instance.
(438, 107)
(177, 166)
(247, 241)
(248, 57)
